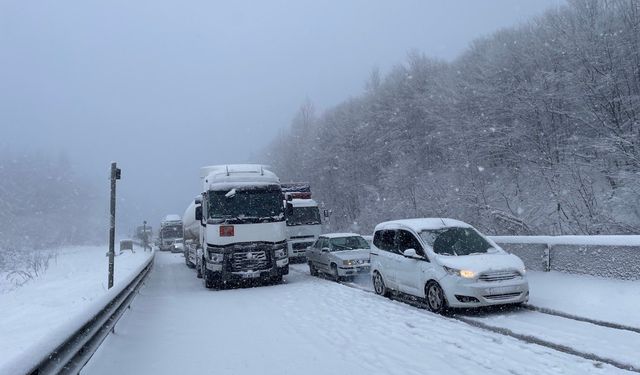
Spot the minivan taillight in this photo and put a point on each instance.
(227, 231)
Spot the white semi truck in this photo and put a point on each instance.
(304, 223)
(170, 232)
(242, 225)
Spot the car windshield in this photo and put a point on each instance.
(455, 241)
(304, 216)
(348, 243)
(253, 204)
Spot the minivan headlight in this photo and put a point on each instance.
(467, 274)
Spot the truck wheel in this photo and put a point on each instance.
(312, 269)
(199, 270)
(208, 283)
(277, 279)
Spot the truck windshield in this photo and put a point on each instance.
(304, 216)
(174, 231)
(254, 205)
(455, 241)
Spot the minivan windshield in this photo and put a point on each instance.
(456, 241)
(348, 243)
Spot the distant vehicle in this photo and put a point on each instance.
(178, 246)
(170, 231)
(339, 255)
(242, 225)
(304, 223)
(446, 262)
(191, 234)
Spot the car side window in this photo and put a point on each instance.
(406, 240)
(384, 240)
(323, 243)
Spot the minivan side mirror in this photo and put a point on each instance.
(411, 253)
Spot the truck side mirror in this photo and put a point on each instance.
(198, 213)
(289, 209)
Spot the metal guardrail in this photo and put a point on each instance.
(71, 356)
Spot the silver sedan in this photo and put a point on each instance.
(339, 255)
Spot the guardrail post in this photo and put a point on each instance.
(546, 258)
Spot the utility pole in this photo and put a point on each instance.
(144, 235)
(115, 175)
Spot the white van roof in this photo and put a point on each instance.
(418, 225)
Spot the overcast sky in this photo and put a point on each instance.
(164, 87)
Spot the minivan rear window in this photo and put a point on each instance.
(384, 239)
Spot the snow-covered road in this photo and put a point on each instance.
(307, 325)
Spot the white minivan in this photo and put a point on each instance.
(446, 262)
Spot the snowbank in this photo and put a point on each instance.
(38, 316)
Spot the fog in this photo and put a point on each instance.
(166, 87)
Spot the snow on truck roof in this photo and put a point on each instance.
(172, 218)
(418, 225)
(303, 203)
(217, 177)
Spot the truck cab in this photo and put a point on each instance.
(170, 231)
(303, 226)
(242, 225)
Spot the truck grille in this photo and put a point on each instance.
(250, 261)
(499, 275)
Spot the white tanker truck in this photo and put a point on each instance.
(191, 234)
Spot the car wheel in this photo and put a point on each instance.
(312, 269)
(334, 272)
(378, 285)
(436, 301)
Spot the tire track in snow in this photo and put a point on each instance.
(530, 339)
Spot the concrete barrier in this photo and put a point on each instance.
(606, 256)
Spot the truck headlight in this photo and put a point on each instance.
(281, 253)
(216, 257)
(467, 274)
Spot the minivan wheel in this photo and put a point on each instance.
(436, 300)
(378, 285)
